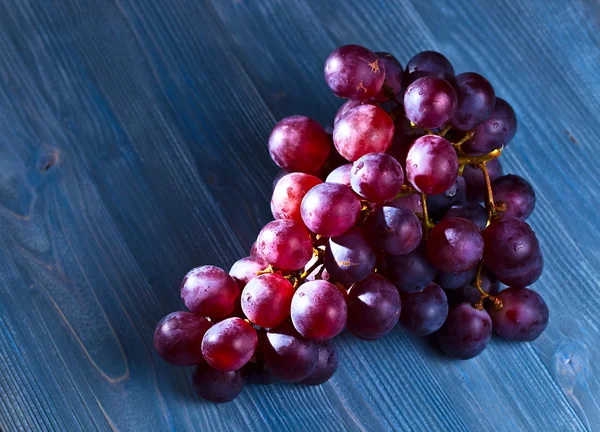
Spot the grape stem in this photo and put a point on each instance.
(457, 145)
(482, 294)
(474, 160)
(269, 269)
(444, 131)
(426, 222)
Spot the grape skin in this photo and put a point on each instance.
(376, 177)
(266, 300)
(430, 102)
(469, 292)
(516, 193)
(327, 364)
(428, 63)
(288, 194)
(438, 204)
(229, 344)
(349, 258)
(217, 386)
(476, 100)
(393, 76)
(423, 313)
(340, 175)
(452, 281)
(455, 245)
(431, 164)
(523, 316)
(245, 269)
(411, 272)
(395, 230)
(178, 338)
(476, 187)
(495, 131)
(285, 244)
(471, 211)
(466, 332)
(209, 291)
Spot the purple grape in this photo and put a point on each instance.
(516, 193)
(493, 132)
(438, 204)
(345, 107)
(288, 194)
(423, 313)
(229, 344)
(376, 177)
(393, 76)
(245, 269)
(431, 164)
(178, 338)
(512, 251)
(523, 316)
(428, 63)
(349, 258)
(289, 356)
(299, 143)
(476, 100)
(466, 332)
(340, 175)
(395, 230)
(363, 129)
(330, 209)
(455, 245)
(318, 310)
(266, 300)
(373, 307)
(327, 364)
(476, 187)
(469, 292)
(279, 176)
(354, 72)
(411, 272)
(209, 291)
(411, 201)
(285, 244)
(430, 102)
(470, 211)
(452, 281)
(217, 386)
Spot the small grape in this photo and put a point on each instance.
(363, 129)
(354, 72)
(245, 269)
(432, 164)
(217, 386)
(411, 272)
(178, 338)
(327, 364)
(411, 201)
(229, 344)
(376, 177)
(299, 143)
(495, 131)
(340, 175)
(349, 258)
(266, 300)
(476, 100)
(285, 244)
(428, 63)
(430, 102)
(423, 313)
(470, 211)
(455, 245)
(288, 195)
(466, 332)
(318, 310)
(438, 204)
(209, 291)
(395, 230)
(330, 209)
(516, 193)
(523, 316)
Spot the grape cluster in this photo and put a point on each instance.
(377, 221)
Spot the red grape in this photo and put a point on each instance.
(330, 209)
(266, 300)
(229, 344)
(340, 175)
(327, 364)
(347, 106)
(432, 164)
(363, 129)
(430, 102)
(178, 338)
(245, 269)
(470, 211)
(523, 316)
(455, 245)
(349, 258)
(395, 230)
(318, 310)
(209, 291)
(516, 193)
(354, 72)
(411, 201)
(428, 63)
(411, 272)
(493, 132)
(424, 312)
(217, 386)
(476, 100)
(288, 195)
(393, 76)
(285, 244)
(299, 143)
(376, 177)
(466, 332)
(452, 281)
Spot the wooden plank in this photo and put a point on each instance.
(133, 147)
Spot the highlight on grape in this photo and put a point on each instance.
(399, 212)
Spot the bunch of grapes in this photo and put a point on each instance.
(377, 221)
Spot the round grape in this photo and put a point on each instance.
(354, 72)
(363, 129)
(285, 244)
(438, 204)
(455, 245)
(217, 386)
(451, 281)
(393, 77)
(431, 164)
(288, 195)
(470, 211)
(229, 344)
(423, 313)
(209, 291)
(318, 310)
(245, 269)
(411, 201)
(376, 177)
(428, 63)
(349, 258)
(299, 143)
(411, 272)
(512, 251)
(330, 209)
(495, 131)
(523, 316)
(373, 307)
(395, 230)
(340, 175)
(476, 100)
(347, 106)
(466, 332)
(476, 187)
(430, 102)
(266, 300)
(516, 193)
(289, 356)
(327, 364)
(178, 338)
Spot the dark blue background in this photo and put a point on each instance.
(133, 148)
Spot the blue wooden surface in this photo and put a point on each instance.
(133, 147)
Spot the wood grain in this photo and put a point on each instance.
(133, 148)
